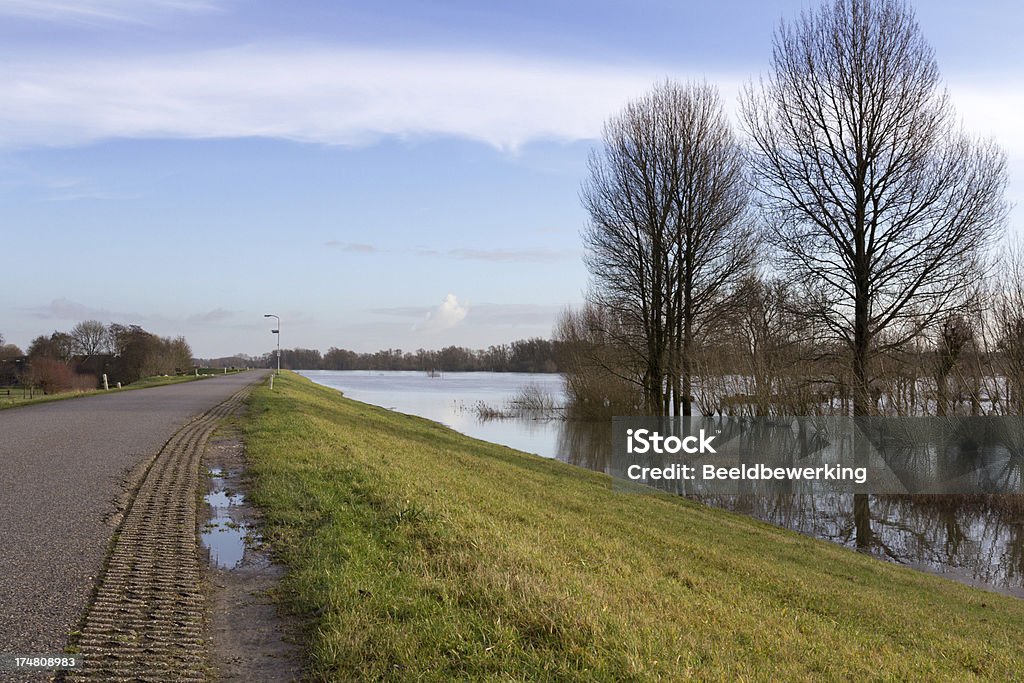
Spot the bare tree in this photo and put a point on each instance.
(1007, 347)
(666, 239)
(713, 244)
(874, 196)
(955, 337)
(769, 335)
(601, 374)
(90, 337)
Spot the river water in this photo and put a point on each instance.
(976, 541)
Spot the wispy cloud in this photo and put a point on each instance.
(101, 11)
(536, 255)
(516, 314)
(333, 95)
(72, 189)
(65, 309)
(528, 255)
(349, 95)
(401, 311)
(352, 247)
(86, 195)
(485, 313)
(215, 316)
(290, 321)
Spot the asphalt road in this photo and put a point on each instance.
(62, 467)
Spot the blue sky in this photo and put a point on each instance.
(379, 174)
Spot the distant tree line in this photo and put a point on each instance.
(77, 358)
(525, 355)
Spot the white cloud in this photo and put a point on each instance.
(95, 11)
(323, 95)
(446, 316)
(349, 95)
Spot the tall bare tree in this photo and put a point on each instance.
(666, 239)
(874, 196)
(90, 337)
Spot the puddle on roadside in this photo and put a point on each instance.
(225, 534)
(240, 575)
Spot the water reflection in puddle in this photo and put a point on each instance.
(223, 535)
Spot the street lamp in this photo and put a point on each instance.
(278, 333)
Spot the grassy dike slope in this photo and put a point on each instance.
(416, 552)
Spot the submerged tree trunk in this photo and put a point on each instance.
(862, 521)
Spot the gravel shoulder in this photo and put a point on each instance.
(249, 639)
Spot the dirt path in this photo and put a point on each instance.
(249, 640)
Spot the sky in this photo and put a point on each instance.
(379, 174)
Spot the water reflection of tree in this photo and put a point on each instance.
(980, 537)
(586, 443)
(981, 534)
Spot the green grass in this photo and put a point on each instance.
(417, 553)
(17, 397)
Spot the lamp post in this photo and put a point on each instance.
(278, 333)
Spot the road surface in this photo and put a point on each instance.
(63, 467)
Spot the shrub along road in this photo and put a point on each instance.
(66, 466)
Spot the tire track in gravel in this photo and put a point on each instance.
(146, 621)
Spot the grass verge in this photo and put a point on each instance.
(415, 552)
(16, 399)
